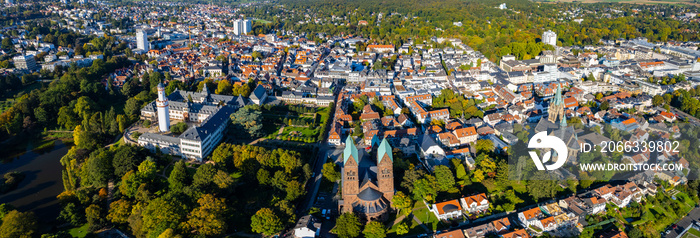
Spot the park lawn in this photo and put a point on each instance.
(307, 132)
(324, 112)
(428, 218)
(78, 232)
(418, 204)
(693, 232)
(413, 229)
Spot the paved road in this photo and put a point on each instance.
(693, 215)
(691, 119)
(320, 160)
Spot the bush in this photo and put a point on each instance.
(147, 123)
(10, 181)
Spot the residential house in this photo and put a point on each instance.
(307, 227)
(447, 210)
(475, 204)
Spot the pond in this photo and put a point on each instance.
(42, 182)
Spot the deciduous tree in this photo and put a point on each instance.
(347, 225)
(266, 222)
(374, 229)
(209, 218)
(18, 224)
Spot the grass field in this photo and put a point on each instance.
(692, 233)
(680, 2)
(78, 232)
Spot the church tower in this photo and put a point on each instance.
(163, 109)
(385, 170)
(556, 106)
(351, 182)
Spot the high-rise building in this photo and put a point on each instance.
(242, 27)
(549, 37)
(25, 62)
(163, 109)
(142, 40)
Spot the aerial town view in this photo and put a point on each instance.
(349, 118)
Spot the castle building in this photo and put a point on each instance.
(368, 184)
(210, 114)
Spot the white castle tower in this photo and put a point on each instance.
(163, 109)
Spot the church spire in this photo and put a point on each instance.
(556, 106)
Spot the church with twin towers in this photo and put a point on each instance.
(367, 180)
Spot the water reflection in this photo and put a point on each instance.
(42, 182)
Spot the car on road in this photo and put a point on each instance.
(674, 226)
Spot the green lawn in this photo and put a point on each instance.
(414, 228)
(428, 218)
(692, 233)
(307, 132)
(79, 232)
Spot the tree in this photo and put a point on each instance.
(249, 119)
(4, 209)
(402, 228)
(330, 172)
(125, 158)
(541, 186)
(657, 100)
(374, 229)
(347, 225)
(604, 105)
(294, 190)
(266, 222)
(119, 211)
(169, 233)
(93, 216)
(98, 169)
(209, 218)
(636, 233)
(445, 178)
(410, 177)
(178, 177)
(161, 214)
(204, 176)
(18, 224)
(72, 214)
(484, 146)
(179, 128)
(173, 85)
(256, 55)
(224, 87)
(402, 202)
(426, 188)
(7, 44)
(132, 107)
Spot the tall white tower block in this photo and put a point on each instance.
(142, 41)
(163, 109)
(549, 37)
